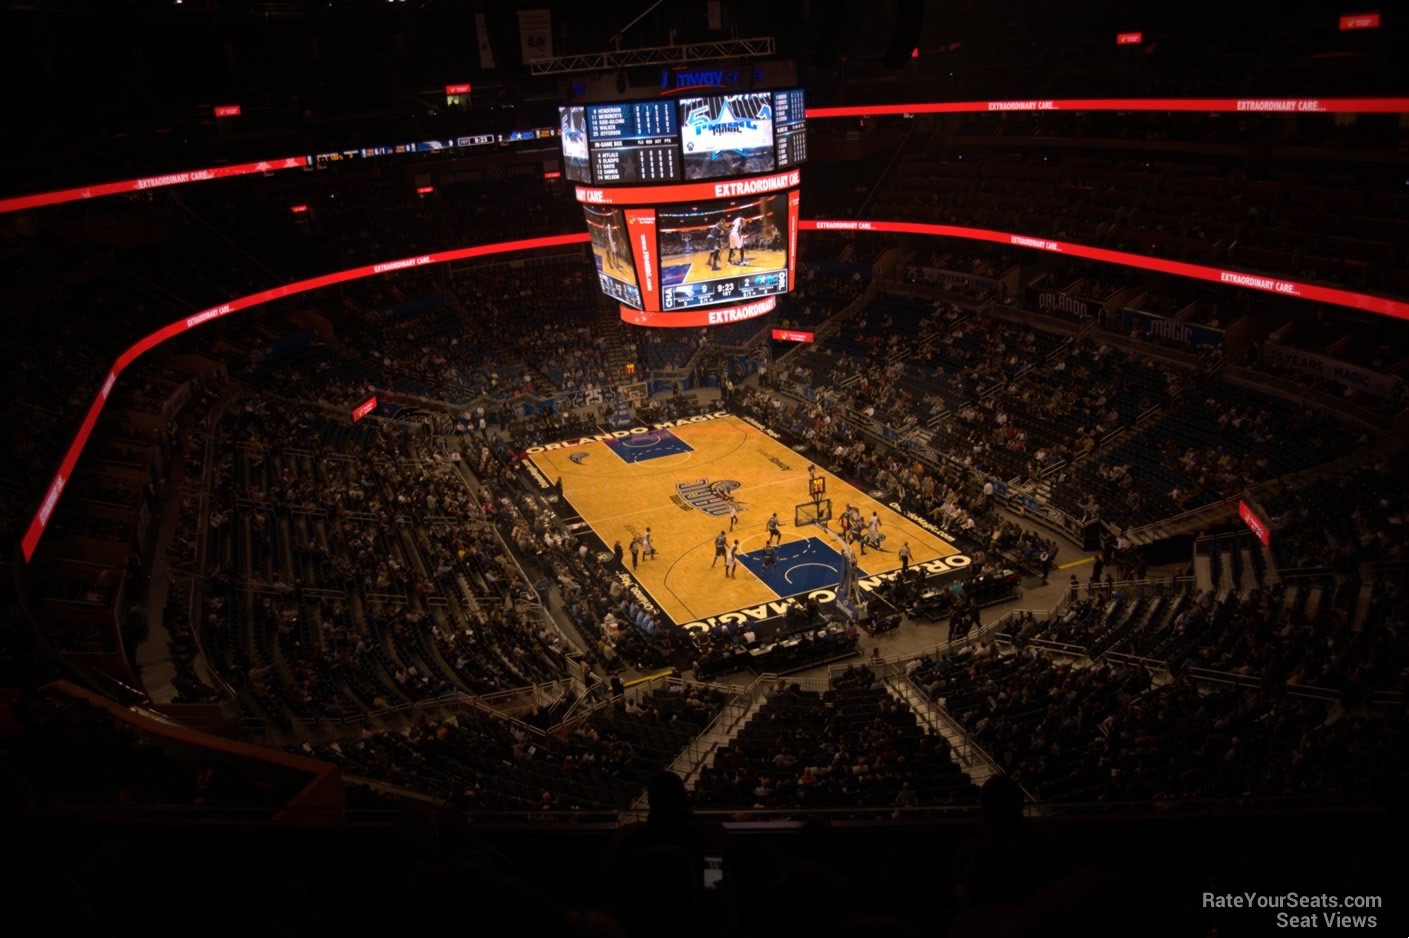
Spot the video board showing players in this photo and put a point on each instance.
(574, 136)
(722, 252)
(789, 128)
(727, 135)
(611, 253)
(633, 142)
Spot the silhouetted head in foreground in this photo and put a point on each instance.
(667, 797)
(1002, 802)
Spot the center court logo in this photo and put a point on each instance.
(712, 498)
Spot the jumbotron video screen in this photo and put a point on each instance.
(723, 251)
(727, 135)
(611, 254)
(691, 204)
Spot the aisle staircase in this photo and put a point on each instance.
(608, 325)
(974, 762)
(700, 752)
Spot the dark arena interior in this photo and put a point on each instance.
(705, 467)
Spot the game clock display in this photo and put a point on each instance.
(729, 290)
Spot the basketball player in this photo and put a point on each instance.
(686, 237)
(720, 543)
(773, 531)
(646, 546)
(736, 240)
(733, 514)
(713, 238)
(873, 530)
(731, 559)
(611, 245)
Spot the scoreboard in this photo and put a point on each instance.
(633, 142)
(670, 140)
(789, 128)
(691, 202)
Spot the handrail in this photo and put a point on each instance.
(216, 413)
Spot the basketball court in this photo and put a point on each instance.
(678, 482)
(694, 267)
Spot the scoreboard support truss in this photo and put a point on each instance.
(752, 48)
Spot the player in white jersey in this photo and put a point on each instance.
(736, 239)
(611, 259)
(873, 533)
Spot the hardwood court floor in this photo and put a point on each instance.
(757, 261)
(623, 271)
(620, 498)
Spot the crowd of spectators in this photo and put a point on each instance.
(486, 763)
(854, 745)
(350, 569)
(1105, 733)
(355, 569)
(1324, 227)
(1344, 521)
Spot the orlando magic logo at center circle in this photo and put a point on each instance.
(712, 498)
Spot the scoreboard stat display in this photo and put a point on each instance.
(789, 130)
(633, 142)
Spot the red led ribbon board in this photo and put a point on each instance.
(689, 192)
(1360, 21)
(19, 203)
(364, 408)
(1262, 105)
(458, 89)
(641, 229)
(787, 335)
(1369, 302)
(227, 110)
(1255, 523)
(1129, 39)
(702, 316)
(794, 198)
(171, 330)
